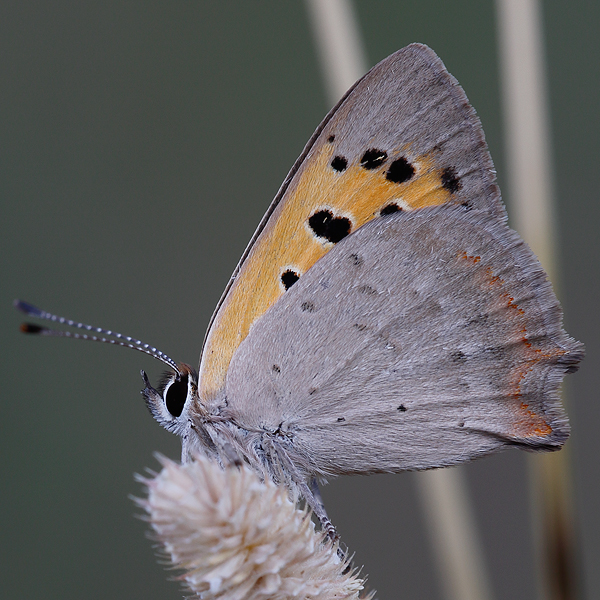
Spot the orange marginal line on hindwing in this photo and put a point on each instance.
(528, 423)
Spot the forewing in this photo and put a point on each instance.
(424, 339)
(402, 139)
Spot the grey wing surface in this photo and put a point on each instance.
(423, 339)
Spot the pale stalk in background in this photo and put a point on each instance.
(339, 45)
(443, 493)
(530, 183)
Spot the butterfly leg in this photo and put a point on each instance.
(314, 501)
(314, 488)
(226, 452)
(231, 454)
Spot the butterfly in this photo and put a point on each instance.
(383, 317)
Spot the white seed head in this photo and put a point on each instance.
(238, 538)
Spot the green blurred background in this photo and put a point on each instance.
(140, 143)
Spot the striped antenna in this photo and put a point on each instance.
(119, 338)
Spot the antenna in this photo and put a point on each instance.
(120, 339)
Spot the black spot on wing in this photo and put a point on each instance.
(340, 419)
(356, 260)
(478, 319)
(331, 138)
(325, 225)
(450, 180)
(400, 171)
(389, 209)
(402, 408)
(339, 164)
(289, 278)
(367, 289)
(458, 356)
(307, 307)
(276, 369)
(495, 352)
(373, 158)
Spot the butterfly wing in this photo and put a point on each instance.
(403, 138)
(423, 339)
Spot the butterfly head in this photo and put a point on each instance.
(173, 404)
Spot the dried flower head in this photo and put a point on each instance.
(238, 538)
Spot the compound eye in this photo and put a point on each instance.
(175, 395)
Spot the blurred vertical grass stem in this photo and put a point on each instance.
(529, 158)
(443, 493)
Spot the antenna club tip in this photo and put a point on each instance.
(31, 328)
(26, 308)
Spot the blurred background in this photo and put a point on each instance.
(140, 144)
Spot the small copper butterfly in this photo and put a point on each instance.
(383, 317)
